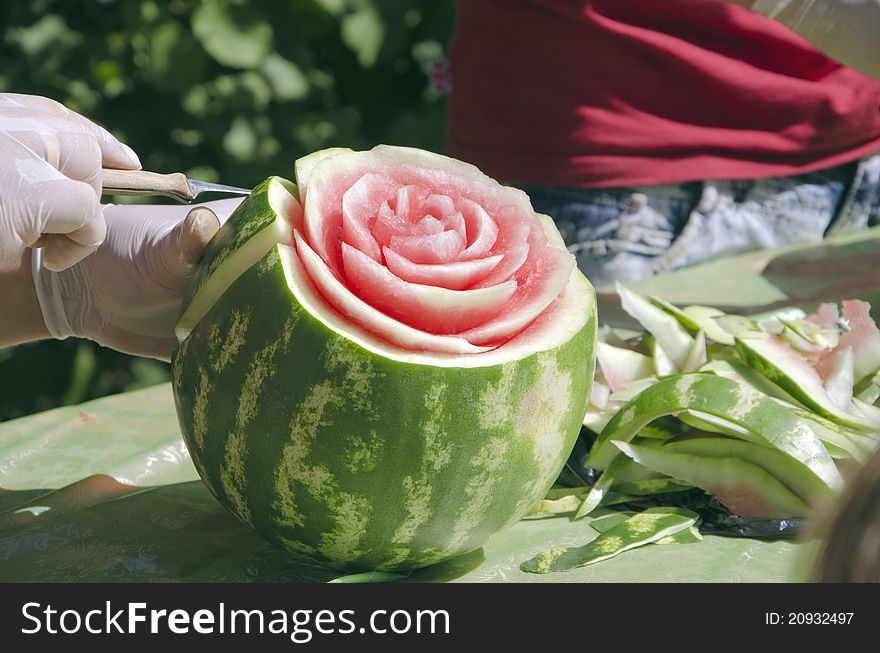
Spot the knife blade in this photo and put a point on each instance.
(175, 185)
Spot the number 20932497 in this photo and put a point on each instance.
(808, 618)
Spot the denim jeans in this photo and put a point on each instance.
(623, 234)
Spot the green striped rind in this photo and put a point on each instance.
(664, 428)
(753, 491)
(601, 487)
(846, 442)
(251, 231)
(807, 486)
(607, 522)
(652, 525)
(767, 422)
(358, 460)
(371, 577)
(625, 477)
(691, 535)
(560, 505)
(757, 353)
(651, 486)
(783, 365)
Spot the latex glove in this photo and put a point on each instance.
(127, 295)
(50, 182)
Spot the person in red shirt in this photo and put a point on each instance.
(660, 133)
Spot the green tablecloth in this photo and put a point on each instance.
(129, 506)
(105, 491)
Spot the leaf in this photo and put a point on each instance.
(286, 78)
(644, 528)
(175, 62)
(239, 39)
(334, 7)
(241, 139)
(363, 32)
(47, 32)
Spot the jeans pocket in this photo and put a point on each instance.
(689, 246)
(618, 233)
(733, 217)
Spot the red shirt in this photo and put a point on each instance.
(628, 92)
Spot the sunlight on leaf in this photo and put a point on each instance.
(240, 141)
(363, 32)
(286, 78)
(228, 39)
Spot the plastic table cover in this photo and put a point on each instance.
(105, 491)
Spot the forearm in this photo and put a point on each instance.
(22, 320)
(845, 30)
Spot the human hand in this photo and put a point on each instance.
(50, 179)
(127, 294)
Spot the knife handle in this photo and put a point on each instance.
(140, 182)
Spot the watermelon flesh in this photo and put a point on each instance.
(353, 432)
(863, 337)
(466, 259)
(458, 275)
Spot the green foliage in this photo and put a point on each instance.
(224, 90)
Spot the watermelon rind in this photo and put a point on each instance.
(763, 420)
(784, 366)
(253, 229)
(765, 495)
(807, 486)
(351, 451)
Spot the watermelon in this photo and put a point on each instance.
(386, 363)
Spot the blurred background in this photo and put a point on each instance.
(224, 90)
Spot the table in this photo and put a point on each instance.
(105, 491)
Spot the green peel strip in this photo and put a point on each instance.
(607, 522)
(371, 577)
(766, 421)
(647, 527)
(598, 491)
(561, 505)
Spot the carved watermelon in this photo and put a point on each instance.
(383, 366)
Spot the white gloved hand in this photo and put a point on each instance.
(50, 179)
(127, 294)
